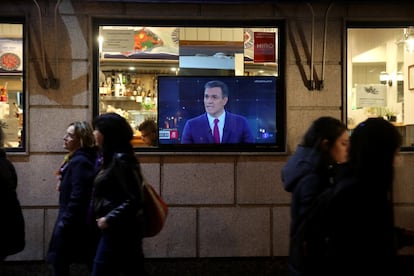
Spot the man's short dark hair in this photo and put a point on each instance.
(217, 83)
(148, 125)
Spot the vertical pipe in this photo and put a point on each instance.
(42, 48)
(311, 80)
(56, 43)
(325, 31)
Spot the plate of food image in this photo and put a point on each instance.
(9, 61)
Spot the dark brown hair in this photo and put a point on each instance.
(117, 135)
(374, 144)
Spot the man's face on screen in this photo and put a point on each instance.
(214, 101)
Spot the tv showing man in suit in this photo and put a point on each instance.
(217, 125)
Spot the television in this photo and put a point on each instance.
(256, 98)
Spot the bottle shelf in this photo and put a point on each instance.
(118, 98)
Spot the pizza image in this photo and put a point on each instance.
(145, 40)
(9, 61)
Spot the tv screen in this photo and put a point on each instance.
(252, 121)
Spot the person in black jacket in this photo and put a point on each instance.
(361, 233)
(72, 237)
(12, 232)
(118, 200)
(311, 170)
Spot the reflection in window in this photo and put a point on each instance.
(11, 85)
(379, 81)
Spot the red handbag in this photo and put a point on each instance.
(155, 211)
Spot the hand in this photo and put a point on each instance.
(101, 222)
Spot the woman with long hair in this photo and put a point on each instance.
(117, 200)
(362, 235)
(311, 170)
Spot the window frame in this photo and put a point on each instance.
(23, 149)
(281, 42)
(369, 25)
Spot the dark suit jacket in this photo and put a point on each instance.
(236, 130)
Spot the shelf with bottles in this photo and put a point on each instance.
(11, 116)
(120, 84)
(128, 103)
(11, 98)
(118, 98)
(139, 99)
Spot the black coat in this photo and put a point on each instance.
(305, 177)
(357, 227)
(118, 191)
(12, 233)
(118, 198)
(362, 236)
(72, 238)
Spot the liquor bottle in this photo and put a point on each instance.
(113, 79)
(3, 94)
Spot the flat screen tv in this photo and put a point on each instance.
(254, 99)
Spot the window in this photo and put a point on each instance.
(380, 74)
(131, 57)
(12, 99)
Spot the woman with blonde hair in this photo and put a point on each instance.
(72, 238)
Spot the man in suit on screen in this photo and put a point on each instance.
(217, 125)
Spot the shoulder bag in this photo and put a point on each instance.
(155, 211)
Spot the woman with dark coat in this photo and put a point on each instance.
(311, 170)
(72, 238)
(118, 200)
(362, 237)
(12, 233)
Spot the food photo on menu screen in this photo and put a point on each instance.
(10, 55)
(189, 105)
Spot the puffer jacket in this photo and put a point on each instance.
(306, 178)
(301, 178)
